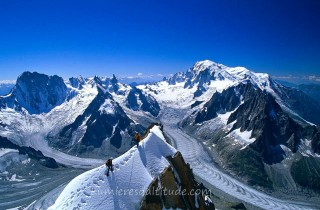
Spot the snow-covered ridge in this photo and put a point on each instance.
(125, 187)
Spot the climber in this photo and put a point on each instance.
(137, 137)
(109, 166)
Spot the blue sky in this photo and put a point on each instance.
(70, 38)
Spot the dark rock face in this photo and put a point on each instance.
(306, 172)
(315, 142)
(148, 103)
(223, 102)
(37, 93)
(239, 206)
(204, 77)
(176, 178)
(152, 200)
(168, 183)
(114, 83)
(77, 82)
(269, 124)
(311, 90)
(187, 182)
(132, 101)
(256, 111)
(196, 103)
(32, 153)
(178, 77)
(298, 101)
(200, 90)
(100, 124)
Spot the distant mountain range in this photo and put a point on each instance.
(258, 130)
(253, 125)
(312, 90)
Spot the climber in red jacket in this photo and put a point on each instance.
(137, 137)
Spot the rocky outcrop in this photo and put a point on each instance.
(220, 103)
(175, 188)
(187, 182)
(137, 100)
(152, 199)
(114, 84)
(169, 187)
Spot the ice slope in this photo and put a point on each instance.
(126, 185)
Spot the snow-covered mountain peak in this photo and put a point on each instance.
(202, 65)
(206, 72)
(37, 93)
(133, 172)
(231, 73)
(202, 80)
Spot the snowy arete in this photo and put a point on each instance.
(125, 187)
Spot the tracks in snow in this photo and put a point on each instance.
(99, 178)
(202, 165)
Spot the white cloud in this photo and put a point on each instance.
(313, 78)
(7, 82)
(286, 77)
(139, 74)
(299, 79)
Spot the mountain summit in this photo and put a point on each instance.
(203, 73)
(37, 93)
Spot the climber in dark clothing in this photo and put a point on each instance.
(109, 166)
(137, 137)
